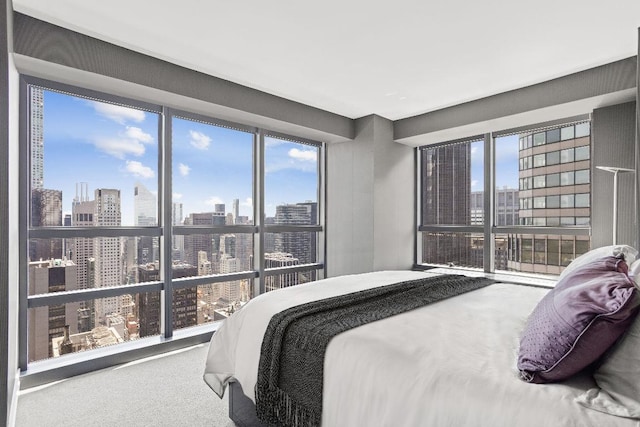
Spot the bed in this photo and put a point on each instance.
(448, 363)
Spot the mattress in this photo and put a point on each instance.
(451, 363)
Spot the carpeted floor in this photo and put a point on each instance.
(165, 390)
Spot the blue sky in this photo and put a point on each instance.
(506, 163)
(110, 146)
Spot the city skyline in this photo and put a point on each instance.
(109, 146)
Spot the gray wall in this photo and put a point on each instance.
(45, 46)
(613, 144)
(370, 206)
(6, 383)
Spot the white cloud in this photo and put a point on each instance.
(272, 142)
(248, 202)
(303, 155)
(118, 113)
(199, 140)
(474, 183)
(138, 134)
(184, 169)
(215, 200)
(119, 147)
(139, 170)
(177, 196)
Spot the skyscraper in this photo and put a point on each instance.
(194, 243)
(144, 209)
(446, 190)
(177, 244)
(185, 300)
(81, 251)
(277, 281)
(302, 245)
(235, 210)
(46, 211)
(46, 323)
(36, 133)
(107, 250)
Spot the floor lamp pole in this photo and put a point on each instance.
(615, 171)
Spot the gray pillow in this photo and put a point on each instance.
(577, 321)
(618, 379)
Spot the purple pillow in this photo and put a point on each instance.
(577, 321)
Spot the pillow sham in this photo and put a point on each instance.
(629, 253)
(618, 379)
(577, 321)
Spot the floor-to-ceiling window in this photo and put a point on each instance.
(536, 218)
(139, 220)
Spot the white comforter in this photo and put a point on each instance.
(451, 363)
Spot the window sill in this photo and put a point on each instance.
(60, 368)
(509, 277)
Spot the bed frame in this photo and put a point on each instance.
(242, 410)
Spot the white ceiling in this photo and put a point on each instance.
(359, 57)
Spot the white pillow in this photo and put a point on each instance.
(634, 272)
(618, 379)
(629, 253)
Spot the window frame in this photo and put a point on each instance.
(164, 230)
(491, 230)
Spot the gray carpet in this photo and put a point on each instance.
(165, 390)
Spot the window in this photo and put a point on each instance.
(450, 174)
(538, 230)
(100, 198)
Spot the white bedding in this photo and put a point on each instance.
(451, 363)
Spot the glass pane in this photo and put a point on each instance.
(217, 301)
(450, 174)
(553, 158)
(553, 201)
(583, 129)
(553, 135)
(539, 160)
(90, 157)
(538, 138)
(566, 252)
(85, 263)
(566, 178)
(583, 176)
(290, 248)
(553, 252)
(527, 247)
(212, 172)
(284, 280)
(553, 180)
(453, 249)
(291, 182)
(567, 133)
(46, 325)
(539, 181)
(206, 254)
(567, 201)
(582, 153)
(540, 254)
(582, 200)
(567, 156)
(539, 202)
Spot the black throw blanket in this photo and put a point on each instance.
(290, 374)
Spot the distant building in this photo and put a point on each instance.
(302, 245)
(47, 323)
(446, 198)
(283, 280)
(184, 305)
(46, 211)
(107, 251)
